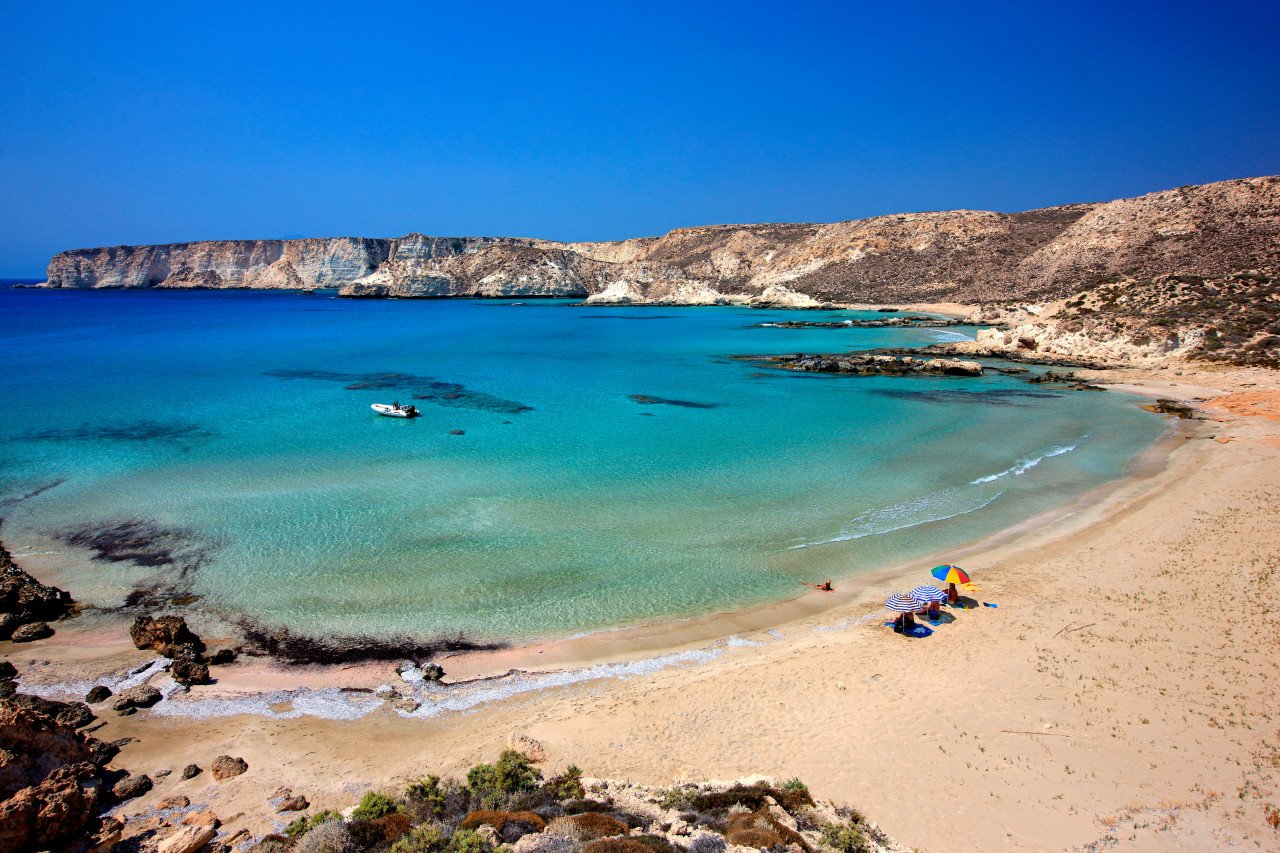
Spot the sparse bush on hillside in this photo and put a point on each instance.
(427, 838)
(304, 823)
(331, 836)
(566, 786)
(374, 805)
(447, 816)
(492, 785)
(848, 837)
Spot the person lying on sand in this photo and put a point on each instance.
(825, 586)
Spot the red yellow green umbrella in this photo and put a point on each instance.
(950, 574)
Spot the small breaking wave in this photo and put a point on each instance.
(1024, 465)
(936, 506)
(926, 509)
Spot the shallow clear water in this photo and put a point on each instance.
(226, 419)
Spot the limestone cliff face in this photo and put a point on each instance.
(964, 256)
(222, 263)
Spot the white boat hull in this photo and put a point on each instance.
(392, 412)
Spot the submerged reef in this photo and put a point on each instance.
(425, 388)
(650, 400)
(136, 431)
(993, 397)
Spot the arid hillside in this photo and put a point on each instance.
(959, 256)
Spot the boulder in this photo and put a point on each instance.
(168, 635)
(53, 813)
(225, 767)
(186, 839)
(527, 746)
(191, 771)
(25, 598)
(188, 672)
(32, 631)
(141, 696)
(204, 817)
(71, 714)
(223, 656)
(98, 693)
(8, 671)
(8, 624)
(432, 672)
(295, 803)
(131, 786)
(177, 801)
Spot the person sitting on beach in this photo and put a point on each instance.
(825, 586)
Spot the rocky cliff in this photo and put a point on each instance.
(963, 256)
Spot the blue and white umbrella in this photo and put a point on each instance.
(900, 602)
(927, 594)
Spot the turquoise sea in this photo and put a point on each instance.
(220, 444)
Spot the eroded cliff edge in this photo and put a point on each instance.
(962, 256)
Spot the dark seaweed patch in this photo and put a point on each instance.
(628, 316)
(142, 543)
(137, 431)
(426, 388)
(994, 397)
(285, 645)
(650, 400)
(33, 493)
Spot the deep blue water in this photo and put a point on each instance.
(218, 429)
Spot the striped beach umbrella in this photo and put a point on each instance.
(927, 593)
(950, 574)
(900, 602)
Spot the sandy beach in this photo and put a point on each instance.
(1119, 691)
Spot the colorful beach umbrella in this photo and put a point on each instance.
(927, 593)
(902, 603)
(950, 574)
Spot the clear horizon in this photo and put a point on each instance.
(578, 123)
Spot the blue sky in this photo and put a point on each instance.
(144, 123)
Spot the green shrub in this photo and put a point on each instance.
(304, 823)
(425, 798)
(678, 798)
(512, 773)
(468, 841)
(568, 785)
(373, 806)
(850, 837)
(794, 784)
(427, 838)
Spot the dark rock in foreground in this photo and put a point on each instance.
(32, 631)
(24, 600)
(98, 693)
(51, 779)
(225, 766)
(168, 635)
(142, 696)
(131, 786)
